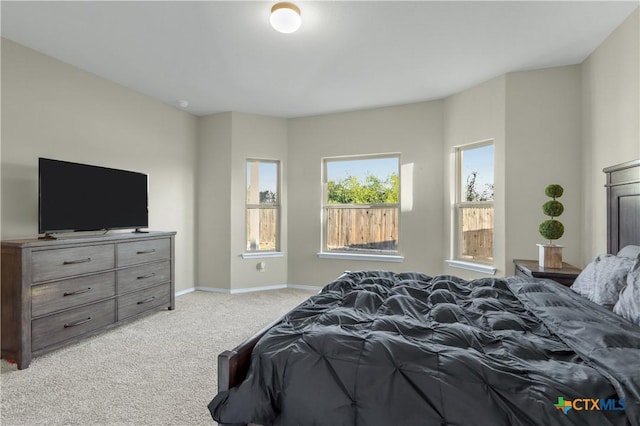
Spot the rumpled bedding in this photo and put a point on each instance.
(378, 348)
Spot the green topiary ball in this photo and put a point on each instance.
(554, 191)
(551, 229)
(553, 208)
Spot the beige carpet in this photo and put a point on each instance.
(159, 370)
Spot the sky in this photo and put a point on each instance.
(268, 176)
(381, 167)
(478, 160)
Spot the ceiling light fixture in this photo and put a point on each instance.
(285, 17)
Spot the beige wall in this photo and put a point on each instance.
(212, 201)
(610, 123)
(415, 131)
(588, 115)
(51, 109)
(534, 120)
(263, 138)
(476, 115)
(225, 142)
(543, 146)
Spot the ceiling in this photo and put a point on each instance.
(224, 56)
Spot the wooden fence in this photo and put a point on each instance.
(376, 228)
(267, 222)
(477, 232)
(358, 228)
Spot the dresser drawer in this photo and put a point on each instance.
(55, 296)
(134, 303)
(137, 252)
(66, 262)
(69, 324)
(143, 276)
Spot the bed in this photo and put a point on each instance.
(380, 348)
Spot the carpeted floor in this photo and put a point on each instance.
(159, 370)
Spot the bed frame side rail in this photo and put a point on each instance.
(233, 364)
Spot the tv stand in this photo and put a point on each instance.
(59, 291)
(139, 231)
(47, 237)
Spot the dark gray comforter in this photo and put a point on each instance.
(377, 348)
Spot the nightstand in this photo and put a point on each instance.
(530, 268)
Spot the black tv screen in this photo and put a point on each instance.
(81, 197)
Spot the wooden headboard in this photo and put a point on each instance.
(623, 205)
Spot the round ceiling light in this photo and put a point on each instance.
(285, 17)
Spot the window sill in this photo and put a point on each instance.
(260, 255)
(470, 266)
(362, 256)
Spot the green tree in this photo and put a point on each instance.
(350, 190)
(394, 194)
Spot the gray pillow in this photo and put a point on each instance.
(631, 252)
(602, 279)
(628, 305)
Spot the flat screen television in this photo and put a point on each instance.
(82, 197)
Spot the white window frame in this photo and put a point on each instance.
(363, 254)
(253, 253)
(457, 260)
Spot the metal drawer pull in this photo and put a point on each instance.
(73, 262)
(142, 277)
(147, 251)
(73, 293)
(146, 300)
(73, 324)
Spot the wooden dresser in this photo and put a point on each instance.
(55, 292)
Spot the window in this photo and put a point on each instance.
(263, 205)
(474, 203)
(361, 204)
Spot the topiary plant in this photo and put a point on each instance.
(552, 229)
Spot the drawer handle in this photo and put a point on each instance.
(147, 251)
(146, 300)
(142, 277)
(73, 293)
(73, 324)
(73, 262)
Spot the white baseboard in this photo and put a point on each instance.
(305, 287)
(248, 289)
(187, 291)
(213, 290)
(252, 289)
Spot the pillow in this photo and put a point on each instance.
(628, 305)
(602, 279)
(631, 252)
